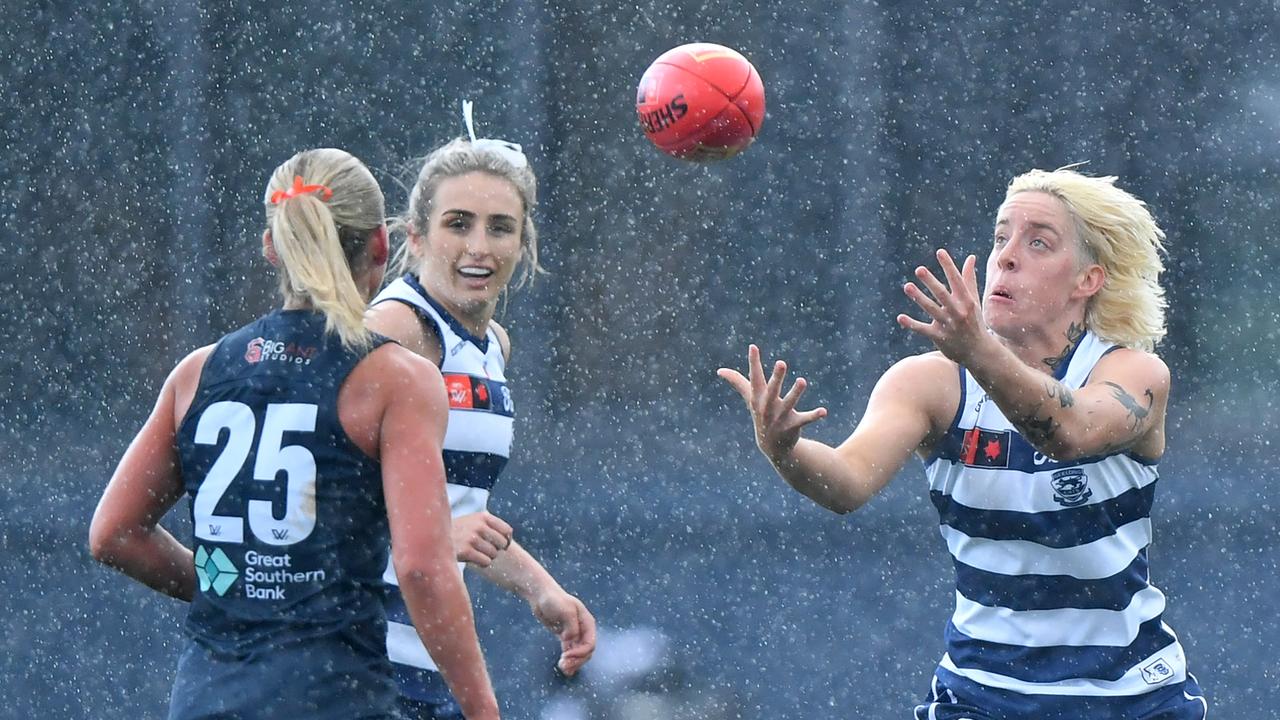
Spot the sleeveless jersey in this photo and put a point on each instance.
(1053, 596)
(477, 444)
(289, 521)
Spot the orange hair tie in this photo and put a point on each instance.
(300, 188)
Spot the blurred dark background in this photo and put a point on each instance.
(137, 140)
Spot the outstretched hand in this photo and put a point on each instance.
(479, 537)
(956, 327)
(777, 422)
(566, 616)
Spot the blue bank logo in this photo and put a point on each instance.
(215, 570)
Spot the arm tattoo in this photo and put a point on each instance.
(1074, 333)
(1037, 430)
(1057, 390)
(1137, 413)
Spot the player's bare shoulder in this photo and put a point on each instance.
(391, 374)
(1137, 380)
(926, 376)
(400, 322)
(396, 369)
(184, 380)
(928, 382)
(1136, 365)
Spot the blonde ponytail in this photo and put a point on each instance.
(315, 267)
(320, 232)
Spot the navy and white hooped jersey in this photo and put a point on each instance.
(1053, 596)
(477, 442)
(288, 515)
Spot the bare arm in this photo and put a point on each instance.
(126, 533)
(519, 573)
(1121, 407)
(901, 417)
(422, 550)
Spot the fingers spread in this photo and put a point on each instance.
(736, 381)
(951, 272)
(793, 395)
(936, 288)
(971, 274)
(809, 416)
(774, 388)
(925, 302)
(909, 323)
(755, 370)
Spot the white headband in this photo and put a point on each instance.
(509, 151)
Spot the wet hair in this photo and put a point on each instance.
(322, 207)
(453, 159)
(1117, 231)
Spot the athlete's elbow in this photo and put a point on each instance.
(105, 539)
(838, 500)
(1065, 448)
(844, 506)
(840, 503)
(420, 570)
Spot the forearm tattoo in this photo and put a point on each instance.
(1037, 430)
(1074, 333)
(1137, 413)
(1057, 390)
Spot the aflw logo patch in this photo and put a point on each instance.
(468, 392)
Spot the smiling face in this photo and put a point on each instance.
(1038, 278)
(471, 243)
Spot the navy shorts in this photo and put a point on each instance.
(318, 679)
(958, 699)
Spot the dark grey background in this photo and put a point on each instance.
(138, 135)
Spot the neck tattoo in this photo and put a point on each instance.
(1074, 334)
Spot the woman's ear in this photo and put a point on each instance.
(269, 249)
(1091, 281)
(379, 246)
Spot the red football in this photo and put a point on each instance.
(701, 102)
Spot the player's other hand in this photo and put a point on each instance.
(954, 308)
(479, 537)
(566, 616)
(776, 419)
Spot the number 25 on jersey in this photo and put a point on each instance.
(272, 458)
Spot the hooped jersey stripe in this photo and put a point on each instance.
(477, 445)
(1052, 591)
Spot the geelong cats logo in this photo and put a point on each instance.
(1071, 487)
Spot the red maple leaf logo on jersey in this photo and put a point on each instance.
(482, 393)
(991, 449)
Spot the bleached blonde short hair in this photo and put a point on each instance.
(1117, 231)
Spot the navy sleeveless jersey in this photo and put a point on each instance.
(290, 531)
